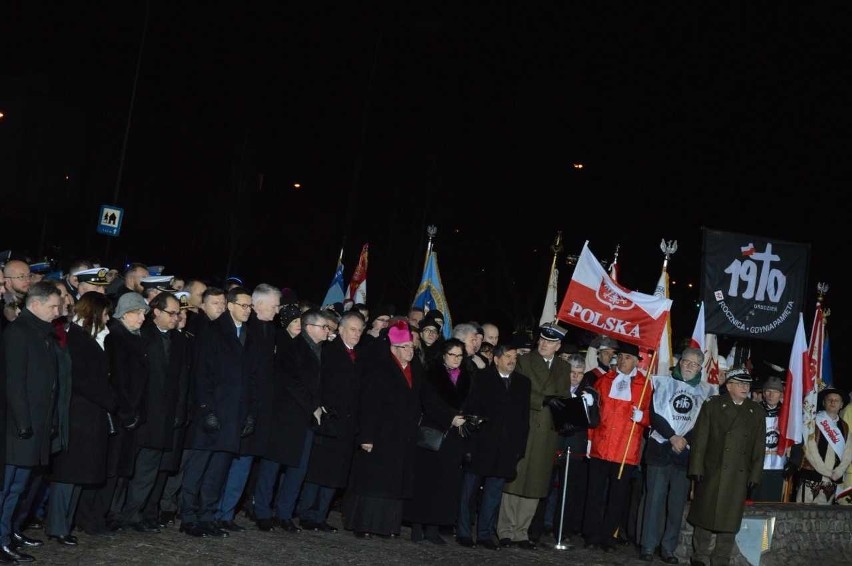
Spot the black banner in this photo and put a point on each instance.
(753, 286)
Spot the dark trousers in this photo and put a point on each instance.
(139, 487)
(169, 498)
(575, 498)
(94, 504)
(33, 502)
(666, 490)
(61, 508)
(314, 502)
(721, 554)
(288, 490)
(151, 511)
(606, 501)
(15, 482)
(203, 478)
(486, 522)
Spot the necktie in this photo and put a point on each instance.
(167, 344)
(351, 352)
(241, 334)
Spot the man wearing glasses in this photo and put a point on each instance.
(225, 411)
(677, 401)
(299, 413)
(728, 447)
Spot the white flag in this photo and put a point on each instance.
(548, 313)
(664, 351)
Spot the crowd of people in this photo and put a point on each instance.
(135, 401)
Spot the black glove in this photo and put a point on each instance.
(25, 434)
(179, 422)
(553, 402)
(132, 423)
(475, 421)
(248, 428)
(466, 429)
(211, 423)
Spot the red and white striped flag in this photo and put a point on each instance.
(697, 340)
(791, 420)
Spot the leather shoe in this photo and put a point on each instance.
(231, 526)
(20, 539)
(289, 526)
(65, 540)
(325, 528)
(670, 560)
(167, 517)
(527, 545)
(362, 534)
(466, 541)
(211, 530)
(646, 557)
(266, 524)
(12, 556)
(145, 527)
(193, 530)
(489, 545)
(506, 542)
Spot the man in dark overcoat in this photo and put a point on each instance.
(223, 373)
(31, 367)
(502, 396)
(334, 442)
(299, 412)
(728, 447)
(166, 374)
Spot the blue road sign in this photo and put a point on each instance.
(109, 220)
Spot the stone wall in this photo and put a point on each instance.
(805, 535)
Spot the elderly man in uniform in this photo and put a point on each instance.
(550, 378)
(729, 442)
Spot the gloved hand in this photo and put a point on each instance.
(751, 485)
(553, 402)
(588, 398)
(179, 422)
(475, 421)
(248, 427)
(25, 434)
(132, 423)
(637, 415)
(467, 429)
(211, 422)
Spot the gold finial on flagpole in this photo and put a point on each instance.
(668, 249)
(557, 245)
(431, 231)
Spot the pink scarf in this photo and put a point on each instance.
(454, 374)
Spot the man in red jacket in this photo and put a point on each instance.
(624, 416)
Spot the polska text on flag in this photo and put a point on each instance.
(595, 302)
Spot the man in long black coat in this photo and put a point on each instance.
(501, 395)
(225, 396)
(166, 374)
(334, 443)
(297, 375)
(30, 362)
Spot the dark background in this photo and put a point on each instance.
(469, 117)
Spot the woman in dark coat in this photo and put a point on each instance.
(438, 475)
(83, 462)
(390, 409)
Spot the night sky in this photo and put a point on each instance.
(469, 117)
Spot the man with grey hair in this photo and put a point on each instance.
(466, 332)
(675, 405)
(32, 371)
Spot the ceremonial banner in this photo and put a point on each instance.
(335, 289)
(753, 286)
(595, 302)
(797, 410)
(430, 294)
(357, 290)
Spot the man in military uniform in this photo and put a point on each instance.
(729, 443)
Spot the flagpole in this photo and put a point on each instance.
(431, 231)
(668, 249)
(822, 291)
(633, 423)
(556, 248)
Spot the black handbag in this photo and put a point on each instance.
(430, 438)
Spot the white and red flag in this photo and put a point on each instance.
(664, 349)
(357, 290)
(815, 367)
(697, 339)
(793, 409)
(595, 302)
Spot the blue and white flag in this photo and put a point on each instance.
(430, 294)
(335, 290)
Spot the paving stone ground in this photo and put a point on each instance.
(254, 547)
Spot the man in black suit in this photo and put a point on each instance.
(502, 396)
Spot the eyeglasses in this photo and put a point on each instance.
(405, 347)
(325, 326)
(17, 276)
(244, 307)
(690, 364)
(429, 330)
(452, 355)
(171, 313)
